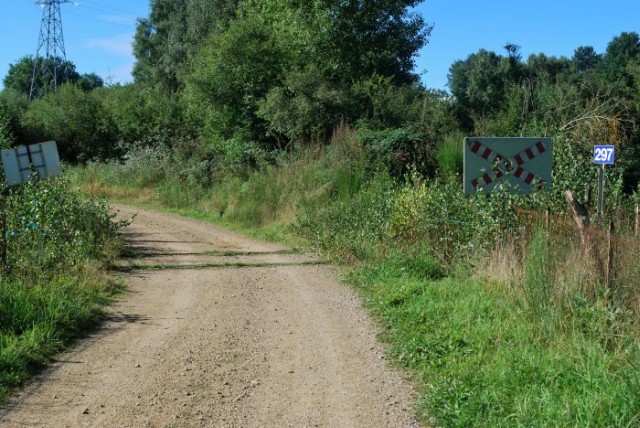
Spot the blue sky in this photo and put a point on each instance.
(98, 33)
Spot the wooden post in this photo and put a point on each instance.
(609, 270)
(547, 219)
(637, 229)
(587, 197)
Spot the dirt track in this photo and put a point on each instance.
(230, 332)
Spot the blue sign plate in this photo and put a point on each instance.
(604, 155)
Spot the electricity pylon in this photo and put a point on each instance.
(50, 63)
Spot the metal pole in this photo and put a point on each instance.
(601, 192)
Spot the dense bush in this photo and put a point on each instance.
(76, 120)
(50, 229)
(12, 106)
(141, 116)
(52, 288)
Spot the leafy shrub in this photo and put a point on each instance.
(9, 120)
(232, 72)
(52, 289)
(437, 216)
(305, 108)
(49, 229)
(142, 116)
(76, 120)
(400, 150)
(352, 229)
(387, 105)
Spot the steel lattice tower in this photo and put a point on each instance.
(49, 65)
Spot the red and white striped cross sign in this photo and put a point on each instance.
(497, 166)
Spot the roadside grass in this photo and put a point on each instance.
(40, 320)
(484, 360)
(53, 283)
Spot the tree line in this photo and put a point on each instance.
(224, 78)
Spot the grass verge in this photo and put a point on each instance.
(481, 359)
(40, 320)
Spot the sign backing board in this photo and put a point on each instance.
(22, 162)
(516, 164)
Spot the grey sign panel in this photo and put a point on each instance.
(23, 162)
(514, 164)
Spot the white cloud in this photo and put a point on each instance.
(119, 45)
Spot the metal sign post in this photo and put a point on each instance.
(602, 155)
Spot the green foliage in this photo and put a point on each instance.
(586, 59)
(20, 75)
(376, 38)
(173, 33)
(388, 105)
(7, 125)
(141, 116)
(52, 290)
(12, 108)
(399, 151)
(284, 72)
(90, 81)
(76, 120)
(305, 108)
(622, 50)
(160, 45)
(50, 229)
(204, 13)
(353, 229)
(481, 363)
(478, 83)
(232, 73)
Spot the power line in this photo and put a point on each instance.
(105, 8)
(50, 69)
(106, 21)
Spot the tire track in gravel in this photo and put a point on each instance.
(282, 343)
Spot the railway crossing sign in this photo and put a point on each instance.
(521, 164)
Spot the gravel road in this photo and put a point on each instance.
(225, 332)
